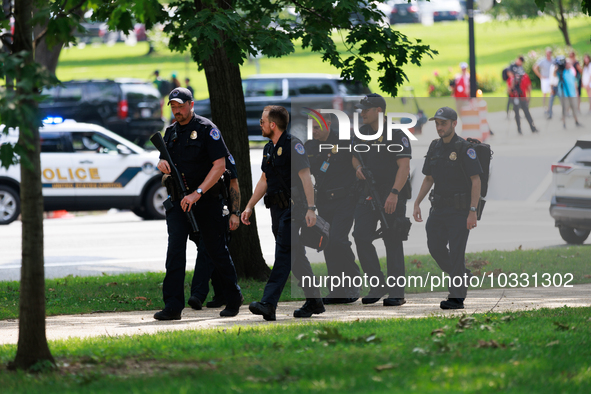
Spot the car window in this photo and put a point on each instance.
(353, 88)
(580, 154)
(99, 90)
(264, 88)
(91, 142)
(304, 86)
(70, 92)
(53, 143)
(139, 91)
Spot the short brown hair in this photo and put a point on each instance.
(278, 115)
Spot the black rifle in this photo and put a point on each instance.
(376, 200)
(176, 175)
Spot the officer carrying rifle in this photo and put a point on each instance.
(384, 199)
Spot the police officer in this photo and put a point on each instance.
(335, 183)
(285, 177)
(390, 170)
(198, 150)
(455, 171)
(204, 267)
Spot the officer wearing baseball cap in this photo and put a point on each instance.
(452, 167)
(388, 174)
(198, 150)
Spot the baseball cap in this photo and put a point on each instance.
(180, 95)
(445, 113)
(463, 65)
(372, 100)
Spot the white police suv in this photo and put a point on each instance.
(86, 167)
(571, 203)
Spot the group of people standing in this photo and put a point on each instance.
(562, 77)
(351, 190)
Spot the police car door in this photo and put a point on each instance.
(105, 174)
(58, 172)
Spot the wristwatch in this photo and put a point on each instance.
(237, 213)
(395, 191)
(200, 191)
(472, 209)
(312, 208)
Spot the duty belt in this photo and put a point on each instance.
(457, 201)
(281, 198)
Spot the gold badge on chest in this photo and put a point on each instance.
(279, 151)
(453, 156)
(380, 139)
(193, 135)
(335, 149)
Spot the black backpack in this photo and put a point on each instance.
(484, 155)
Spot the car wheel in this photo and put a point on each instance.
(573, 235)
(10, 205)
(154, 199)
(141, 212)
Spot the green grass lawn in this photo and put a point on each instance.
(497, 44)
(143, 291)
(543, 351)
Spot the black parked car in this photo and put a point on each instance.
(128, 107)
(292, 90)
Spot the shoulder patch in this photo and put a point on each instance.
(405, 142)
(231, 160)
(215, 134)
(300, 148)
(471, 153)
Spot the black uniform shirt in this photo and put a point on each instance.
(197, 145)
(282, 162)
(332, 169)
(383, 164)
(444, 164)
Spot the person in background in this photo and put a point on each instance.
(519, 88)
(542, 70)
(461, 87)
(567, 91)
(577, 70)
(586, 77)
(175, 81)
(188, 85)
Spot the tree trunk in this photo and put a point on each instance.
(47, 56)
(229, 114)
(32, 342)
(562, 24)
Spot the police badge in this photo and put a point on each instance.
(279, 151)
(453, 156)
(193, 135)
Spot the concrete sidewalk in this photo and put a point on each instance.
(418, 305)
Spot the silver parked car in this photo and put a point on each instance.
(571, 202)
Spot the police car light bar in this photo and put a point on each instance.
(53, 120)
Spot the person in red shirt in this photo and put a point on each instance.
(519, 89)
(461, 87)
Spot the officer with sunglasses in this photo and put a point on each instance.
(198, 150)
(286, 185)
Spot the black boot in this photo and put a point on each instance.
(265, 309)
(311, 307)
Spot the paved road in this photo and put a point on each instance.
(516, 213)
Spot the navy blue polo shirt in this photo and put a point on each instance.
(447, 164)
(282, 162)
(383, 163)
(197, 145)
(332, 168)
